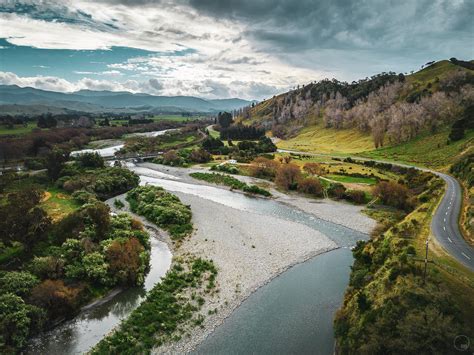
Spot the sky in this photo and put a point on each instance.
(251, 49)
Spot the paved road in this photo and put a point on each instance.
(444, 224)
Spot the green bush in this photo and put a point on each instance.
(231, 182)
(165, 309)
(19, 283)
(162, 208)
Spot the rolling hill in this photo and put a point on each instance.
(388, 116)
(107, 101)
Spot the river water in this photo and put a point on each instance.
(291, 314)
(78, 335)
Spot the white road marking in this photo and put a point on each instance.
(444, 227)
(465, 256)
(445, 219)
(450, 239)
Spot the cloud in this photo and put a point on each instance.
(216, 48)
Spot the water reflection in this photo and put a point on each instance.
(88, 328)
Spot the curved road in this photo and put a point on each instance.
(444, 224)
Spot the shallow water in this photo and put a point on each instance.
(110, 151)
(78, 335)
(341, 235)
(293, 314)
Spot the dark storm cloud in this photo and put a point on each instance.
(308, 24)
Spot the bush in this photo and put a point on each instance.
(47, 267)
(162, 208)
(83, 197)
(126, 262)
(19, 283)
(226, 168)
(90, 160)
(393, 194)
(310, 186)
(14, 321)
(336, 190)
(356, 196)
(57, 298)
(264, 168)
(119, 204)
(287, 176)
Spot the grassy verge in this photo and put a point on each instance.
(388, 308)
(231, 182)
(169, 307)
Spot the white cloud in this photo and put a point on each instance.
(220, 54)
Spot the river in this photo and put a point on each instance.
(291, 314)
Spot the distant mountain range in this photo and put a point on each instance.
(15, 100)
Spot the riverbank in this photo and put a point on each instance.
(249, 249)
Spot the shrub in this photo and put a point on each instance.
(393, 194)
(119, 204)
(264, 168)
(336, 190)
(314, 169)
(47, 267)
(19, 283)
(161, 208)
(287, 176)
(57, 298)
(310, 186)
(14, 321)
(125, 258)
(90, 160)
(83, 197)
(200, 156)
(356, 196)
(95, 268)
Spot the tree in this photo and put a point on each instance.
(21, 219)
(224, 119)
(125, 262)
(55, 161)
(56, 297)
(287, 176)
(91, 160)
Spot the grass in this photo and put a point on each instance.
(17, 129)
(428, 150)
(168, 308)
(352, 179)
(213, 133)
(58, 204)
(328, 140)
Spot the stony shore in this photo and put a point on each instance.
(249, 249)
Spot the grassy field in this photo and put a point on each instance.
(58, 204)
(429, 150)
(352, 179)
(328, 140)
(18, 129)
